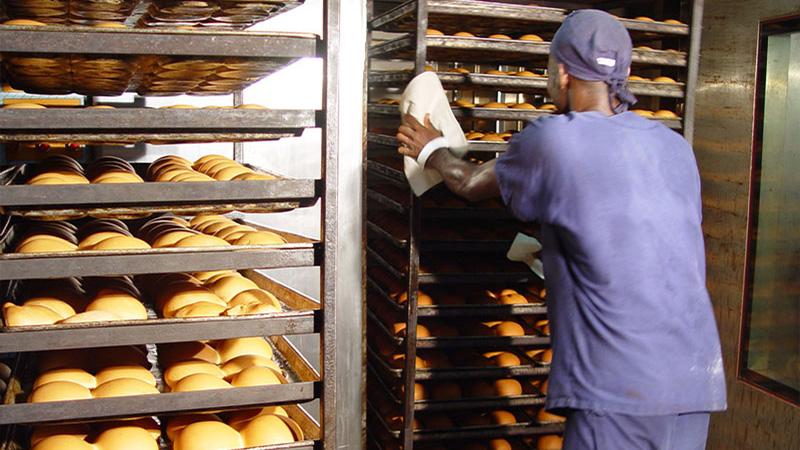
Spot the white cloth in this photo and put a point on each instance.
(524, 249)
(425, 95)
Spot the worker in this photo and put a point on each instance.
(636, 353)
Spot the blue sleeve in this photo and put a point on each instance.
(521, 174)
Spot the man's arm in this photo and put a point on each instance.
(472, 181)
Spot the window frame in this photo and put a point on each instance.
(766, 28)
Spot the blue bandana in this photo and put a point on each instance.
(595, 46)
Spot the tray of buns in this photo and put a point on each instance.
(110, 186)
(80, 384)
(501, 49)
(437, 205)
(472, 145)
(486, 17)
(435, 426)
(298, 433)
(79, 12)
(454, 395)
(236, 14)
(61, 313)
(104, 247)
(451, 302)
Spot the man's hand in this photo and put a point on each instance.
(413, 136)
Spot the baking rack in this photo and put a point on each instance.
(133, 52)
(399, 244)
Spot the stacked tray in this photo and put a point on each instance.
(213, 13)
(71, 11)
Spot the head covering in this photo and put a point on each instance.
(594, 46)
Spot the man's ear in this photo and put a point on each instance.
(563, 78)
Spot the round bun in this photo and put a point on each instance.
(121, 243)
(260, 238)
(433, 32)
(267, 430)
(238, 419)
(523, 106)
(200, 309)
(204, 276)
(47, 244)
(125, 306)
(500, 36)
(548, 107)
(644, 19)
(122, 387)
(208, 435)
(24, 105)
(108, 25)
(202, 240)
(251, 106)
(23, 316)
(96, 238)
(126, 438)
(186, 351)
(506, 359)
(41, 432)
(550, 442)
(59, 391)
(251, 309)
(665, 114)
(77, 376)
(231, 348)
(125, 371)
(507, 387)
(636, 78)
(664, 80)
(494, 105)
(149, 424)
(259, 296)
(243, 362)
(257, 376)
(59, 307)
(464, 34)
(547, 417)
(63, 442)
(526, 73)
(509, 328)
(176, 424)
(643, 112)
(228, 287)
(182, 299)
(183, 369)
(200, 382)
(492, 137)
(531, 37)
(673, 22)
(24, 22)
(502, 418)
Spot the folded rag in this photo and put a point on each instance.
(523, 249)
(425, 95)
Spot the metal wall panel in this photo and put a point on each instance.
(723, 135)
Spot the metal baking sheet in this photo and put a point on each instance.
(301, 388)
(472, 146)
(462, 342)
(499, 51)
(161, 196)
(129, 41)
(494, 17)
(466, 310)
(459, 373)
(298, 317)
(528, 427)
(460, 404)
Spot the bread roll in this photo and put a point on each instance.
(547, 417)
(550, 442)
(637, 78)
(171, 238)
(183, 369)
(230, 173)
(23, 316)
(204, 159)
(176, 424)
(500, 36)
(523, 106)
(257, 376)
(492, 137)
(502, 418)
(125, 371)
(229, 287)
(179, 107)
(474, 135)
(188, 297)
(95, 238)
(24, 22)
(548, 107)
(665, 114)
(204, 276)
(41, 432)
(494, 105)
(267, 430)
(240, 363)
(200, 382)
(49, 244)
(126, 438)
(495, 72)
(117, 177)
(185, 351)
(509, 328)
(644, 19)
(252, 309)
(531, 37)
(505, 359)
(526, 73)
(673, 22)
(202, 240)
(122, 387)
(254, 176)
(63, 442)
(257, 296)
(23, 105)
(200, 309)
(464, 103)
(59, 391)
(208, 435)
(125, 306)
(433, 32)
(251, 106)
(121, 243)
(148, 424)
(663, 79)
(232, 348)
(60, 307)
(91, 316)
(239, 419)
(260, 238)
(77, 376)
(508, 387)
(643, 113)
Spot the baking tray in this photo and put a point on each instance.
(472, 146)
(235, 14)
(375, 230)
(299, 251)
(301, 388)
(17, 436)
(458, 373)
(397, 200)
(506, 114)
(528, 428)
(255, 196)
(460, 404)
(499, 51)
(465, 310)
(524, 275)
(486, 17)
(297, 317)
(462, 342)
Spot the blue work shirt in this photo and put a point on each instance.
(618, 199)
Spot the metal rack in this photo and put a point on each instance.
(395, 250)
(301, 315)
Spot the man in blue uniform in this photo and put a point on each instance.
(636, 355)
